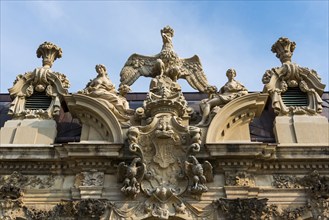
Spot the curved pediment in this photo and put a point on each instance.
(98, 122)
(231, 123)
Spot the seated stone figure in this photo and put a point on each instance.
(231, 90)
(102, 88)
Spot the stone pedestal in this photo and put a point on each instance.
(29, 131)
(301, 129)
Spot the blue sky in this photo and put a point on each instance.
(224, 34)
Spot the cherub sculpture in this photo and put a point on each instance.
(231, 90)
(131, 176)
(199, 174)
(148, 66)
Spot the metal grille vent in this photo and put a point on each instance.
(38, 100)
(294, 97)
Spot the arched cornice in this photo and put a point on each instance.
(231, 123)
(94, 114)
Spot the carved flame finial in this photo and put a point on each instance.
(49, 53)
(284, 49)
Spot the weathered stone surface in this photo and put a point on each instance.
(163, 159)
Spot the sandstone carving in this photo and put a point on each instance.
(316, 185)
(231, 90)
(90, 178)
(104, 90)
(18, 180)
(167, 63)
(131, 176)
(286, 182)
(281, 80)
(198, 174)
(90, 209)
(239, 209)
(239, 179)
(38, 94)
(156, 162)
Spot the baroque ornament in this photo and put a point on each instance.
(90, 178)
(163, 161)
(231, 90)
(149, 66)
(39, 94)
(103, 90)
(240, 178)
(165, 146)
(293, 89)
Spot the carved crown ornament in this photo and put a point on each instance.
(293, 89)
(38, 94)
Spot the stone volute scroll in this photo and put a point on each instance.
(37, 98)
(293, 89)
(38, 94)
(296, 98)
(161, 144)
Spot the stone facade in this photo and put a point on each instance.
(229, 154)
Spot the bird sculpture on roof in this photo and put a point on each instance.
(164, 63)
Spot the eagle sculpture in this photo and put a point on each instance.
(148, 66)
(131, 176)
(198, 174)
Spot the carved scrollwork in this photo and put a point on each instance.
(90, 209)
(286, 182)
(240, 209)
(38, 94)
(289, 81)
(90, 178)
(239, 179)
(195, 135)
(22, 181)
(316, 185)
(133, 135)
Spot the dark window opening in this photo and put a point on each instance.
(294, 97)
(38, 100)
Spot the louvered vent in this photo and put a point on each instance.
(38, 100)
(295, 97)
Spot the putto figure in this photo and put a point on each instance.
(231, 90)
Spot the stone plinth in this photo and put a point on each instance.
(301, 129)
(29, 131)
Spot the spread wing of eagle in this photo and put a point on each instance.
(189, 69)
